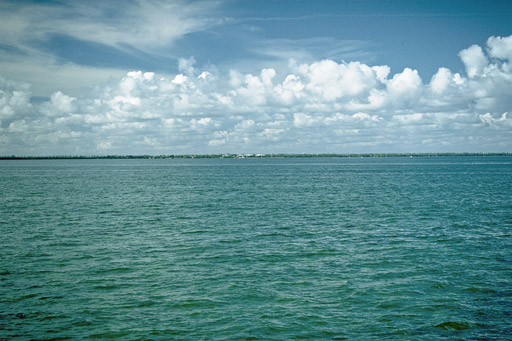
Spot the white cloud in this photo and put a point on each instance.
(364, 116)
(500, 47)
(331, 80)
(302, 120)
(140, 24)
(474, 60)
(441, 80)
(327, 105)
(503, 122)
(245, 124)
(14, 100)
(48, 75)
(59, 105)
(290, 90)
(204, 75)
(408, 119)
(405, 84)
(187, 65)
(306, 49)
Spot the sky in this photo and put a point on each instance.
(239, 76)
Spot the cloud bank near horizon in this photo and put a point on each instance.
(323, 106)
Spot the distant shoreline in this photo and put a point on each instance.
(242, 156)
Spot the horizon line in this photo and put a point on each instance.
(246, 155)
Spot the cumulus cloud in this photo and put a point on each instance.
(503, 122)
(14, 100)
(322, 106)
(474, 59)
(500, 47)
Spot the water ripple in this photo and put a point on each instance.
(256, 249)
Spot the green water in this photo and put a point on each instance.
(325, 248)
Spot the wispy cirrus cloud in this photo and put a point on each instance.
(147, 28)
(309, 49)
(136, 24)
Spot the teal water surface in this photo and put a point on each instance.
(320, 248)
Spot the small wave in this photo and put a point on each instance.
(451, 325)
(109, 335)
(43, 298)
(24, 297)
(105, 287)
(112, 270)
(480, 290)
(53, 317)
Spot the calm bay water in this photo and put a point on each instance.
(329, 248)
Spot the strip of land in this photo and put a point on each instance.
(242, 156)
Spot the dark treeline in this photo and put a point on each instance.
(234, 156)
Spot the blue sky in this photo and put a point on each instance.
(155, 77)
